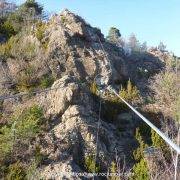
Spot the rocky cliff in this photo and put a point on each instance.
(72, 135)
(85, 52)
(74, 54)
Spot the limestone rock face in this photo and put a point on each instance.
(61, 96)
(73, 132)
(78, 49)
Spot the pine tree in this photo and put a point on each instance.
(158, 142)
(130, 93)
(139, 152)
(140, 171)
(114, 35)
(134, 43)
(161, 46)
(114, 170)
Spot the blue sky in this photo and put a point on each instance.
(151, 20)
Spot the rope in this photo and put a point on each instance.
(99, 116)
(105, 55)
(29, 93)
(97, 135)
(98, 128)
(6, 82)
(167, 139)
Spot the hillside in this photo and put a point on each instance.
(53, 116)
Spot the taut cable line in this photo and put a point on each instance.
(166, 139)
(3, 97)
(97, 135)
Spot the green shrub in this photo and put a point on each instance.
(41, 27)
(18, 48)
(90, 164)
(23, 127)
(24, 49)
(45, 44)
(32, 171)
(145, 132)
(38, 155)
(40, 34)
(140, 171)
(27, 124)
(16, 171)
(27, 80)
(6, 48)
(139, 152)
(94, 88)
(149, 100)
(6, 142)
(113, 169)
(1, 115)
(29, 50)
(63, 19)
(166, 90)
(46, 81)
(130, 93)
(7, 29)
(158, 142)
(16, 20)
